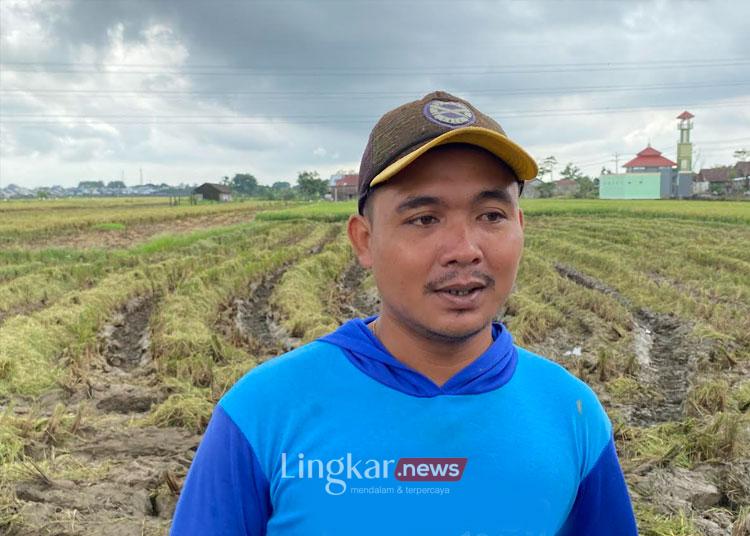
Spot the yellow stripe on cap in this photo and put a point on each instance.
(501, 146)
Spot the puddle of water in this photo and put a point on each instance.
(644, 342)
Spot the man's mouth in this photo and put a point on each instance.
(464, 293)
(462, 288)
(459, 292)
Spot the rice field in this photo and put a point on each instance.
(122, 322)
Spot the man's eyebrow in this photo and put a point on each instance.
(496, 194)
(416, 201)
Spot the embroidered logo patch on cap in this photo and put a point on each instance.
(448, 113)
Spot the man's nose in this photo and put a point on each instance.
(460, 245)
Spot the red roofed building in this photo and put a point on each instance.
(648, 160)
(345, 188)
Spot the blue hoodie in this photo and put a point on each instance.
(338, 437)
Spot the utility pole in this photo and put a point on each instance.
(617, 161)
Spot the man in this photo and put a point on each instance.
(425, 419)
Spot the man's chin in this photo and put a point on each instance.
(456, 331)
(444, 326)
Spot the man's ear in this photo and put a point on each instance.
(360, 234)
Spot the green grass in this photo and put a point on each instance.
(713, 211)
(691, 259)
(304, 291)
(42, 220)
(32, 347)
(708, 397)
(652, 523)
(190, 408)
(326, 211)
(719, 437)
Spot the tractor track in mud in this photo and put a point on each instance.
(353, 300)
(670, 357)
(253, 323)
(664, 349)
(250, 322)
(137, 489)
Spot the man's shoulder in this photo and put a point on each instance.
(553, 378)
(544, 367)
(286, 373)
(567, 398)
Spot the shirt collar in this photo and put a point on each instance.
(491, 370)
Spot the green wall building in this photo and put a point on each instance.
(635, 185)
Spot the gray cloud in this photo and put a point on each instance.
(204, 89)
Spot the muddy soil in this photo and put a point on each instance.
(138, 232)
(254, 324)
(668, 355)
(665, 350)
(22, 310)
(353, 299)
(126, 484)
(670, 358)
(250, 322)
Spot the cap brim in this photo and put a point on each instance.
(508, 151)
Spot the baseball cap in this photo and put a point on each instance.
(407, 132)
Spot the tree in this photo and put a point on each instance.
(310, 184)
(571, 172)
(741, 154)
(281, 185)
(91, 184)
(546, 167)
(244, 183)
(586, 187)
(116, 184)
(546, 189)
(717, 188)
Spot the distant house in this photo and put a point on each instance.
(719, 177)
(215, 192)
(345, 188)
(531, 188)
(727, 179)
(565, 187)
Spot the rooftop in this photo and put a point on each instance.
(650, 158)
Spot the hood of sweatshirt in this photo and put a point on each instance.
(489, 371)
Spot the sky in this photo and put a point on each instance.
(187, 91)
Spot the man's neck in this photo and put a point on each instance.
(434, 359)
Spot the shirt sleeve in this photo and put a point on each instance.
(225, 492)
(602, 505)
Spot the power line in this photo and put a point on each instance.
(713, 150)
(736, 140)
(327, 119)
(282, 95)
(411, 72)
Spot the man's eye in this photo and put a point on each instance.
(422, 220)
(494, 216)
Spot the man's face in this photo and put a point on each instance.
(445, 242)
